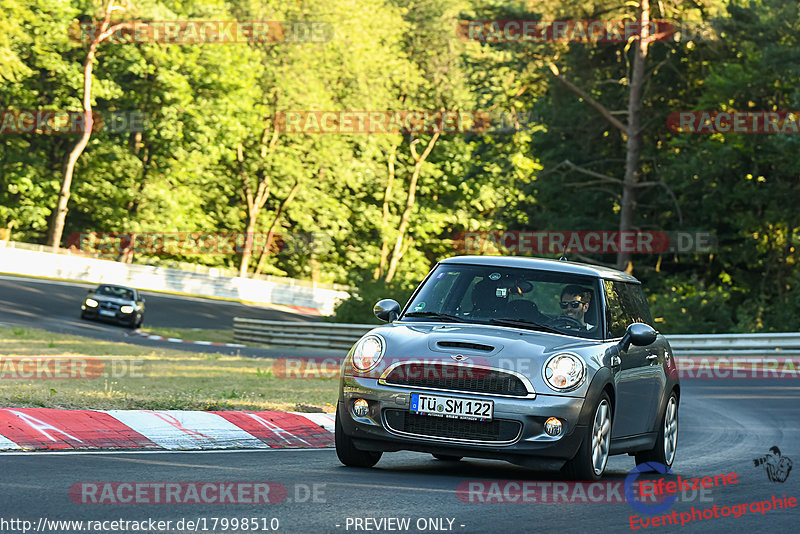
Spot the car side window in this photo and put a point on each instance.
(625, 304)
(637, 303)
(615, 316)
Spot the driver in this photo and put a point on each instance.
(575, 303)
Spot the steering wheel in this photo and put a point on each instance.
(565, 322)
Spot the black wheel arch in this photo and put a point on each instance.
(602, 382)
(670, 387)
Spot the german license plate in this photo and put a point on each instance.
(108, 313)
(452, 407)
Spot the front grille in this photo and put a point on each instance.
(436, 375)
(465, 345)
(499, 430)
(109, 305)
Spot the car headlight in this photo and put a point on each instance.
(91, 303)
(126, 309)
(368, 352)
(564, 371)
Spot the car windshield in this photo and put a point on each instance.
(112, 291)
(522, 298)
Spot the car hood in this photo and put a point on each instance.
(109, 298)
(514, 349)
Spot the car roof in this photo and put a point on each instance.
(542, 264)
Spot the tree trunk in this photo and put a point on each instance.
(398, 251)
(634, 135)
(60, 214)
(387, 195)
(631, 130)
(273, 224)
(142, 152)
(248, 243)
(254, 205)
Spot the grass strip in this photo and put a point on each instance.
(135, 377)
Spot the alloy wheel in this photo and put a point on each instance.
(601, 437)
(671, 430)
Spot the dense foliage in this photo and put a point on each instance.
(384, 207)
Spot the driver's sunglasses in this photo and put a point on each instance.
(575, 304)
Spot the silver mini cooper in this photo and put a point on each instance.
(542, 363)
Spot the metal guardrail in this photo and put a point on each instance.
(736, 345)
(343, 336)
(298, 334)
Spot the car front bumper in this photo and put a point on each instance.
(516, 433)
(113, 315)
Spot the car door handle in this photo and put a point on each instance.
(652, 357)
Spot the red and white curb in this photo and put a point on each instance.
(154, 337)
(46, 428)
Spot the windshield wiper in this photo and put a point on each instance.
(525, 324)
(435, 315)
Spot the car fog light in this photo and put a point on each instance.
(552, 426)
(360, 408)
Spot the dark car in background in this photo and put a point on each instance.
(114, 303)
(548, 364)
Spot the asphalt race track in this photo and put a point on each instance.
(724, 426)
(55, 306)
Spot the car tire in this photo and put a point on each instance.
(84, 316)
(596, 440)
(347, 452)
(138, 323)
(447, 457)
(667, 441)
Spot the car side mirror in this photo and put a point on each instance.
(89, 291)
(638, 334)
(387, 310)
